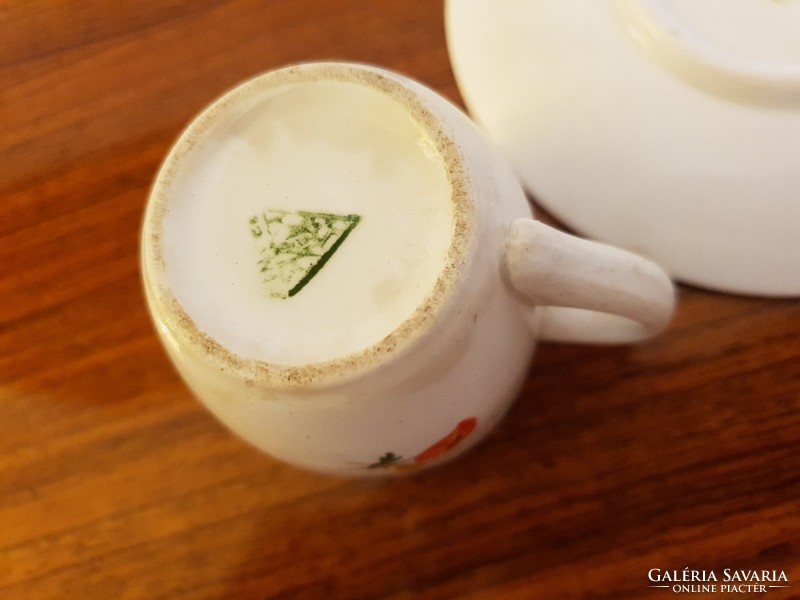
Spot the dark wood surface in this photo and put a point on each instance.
(115, 483)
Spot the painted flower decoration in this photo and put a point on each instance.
(390, 460)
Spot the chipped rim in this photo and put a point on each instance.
(173, 319)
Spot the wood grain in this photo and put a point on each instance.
(115, 483)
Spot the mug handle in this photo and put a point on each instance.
(586, 291)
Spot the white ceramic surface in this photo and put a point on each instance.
(668, 127)
(435, 385)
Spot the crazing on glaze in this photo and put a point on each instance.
(293, 246)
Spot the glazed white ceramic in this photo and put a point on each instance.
(437, 384)
(668, 127)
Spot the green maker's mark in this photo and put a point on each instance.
(293, 246)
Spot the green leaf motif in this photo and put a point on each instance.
(385, 461)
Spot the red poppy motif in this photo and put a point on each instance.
(450, 441)
(390, 460)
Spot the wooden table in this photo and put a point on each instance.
(115, 483)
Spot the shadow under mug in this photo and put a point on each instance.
(476, 280)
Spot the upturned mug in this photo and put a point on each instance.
(281, 224)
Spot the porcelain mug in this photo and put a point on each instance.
(346, 274)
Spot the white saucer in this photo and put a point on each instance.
(668, 127)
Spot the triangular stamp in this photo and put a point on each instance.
(293, 246)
